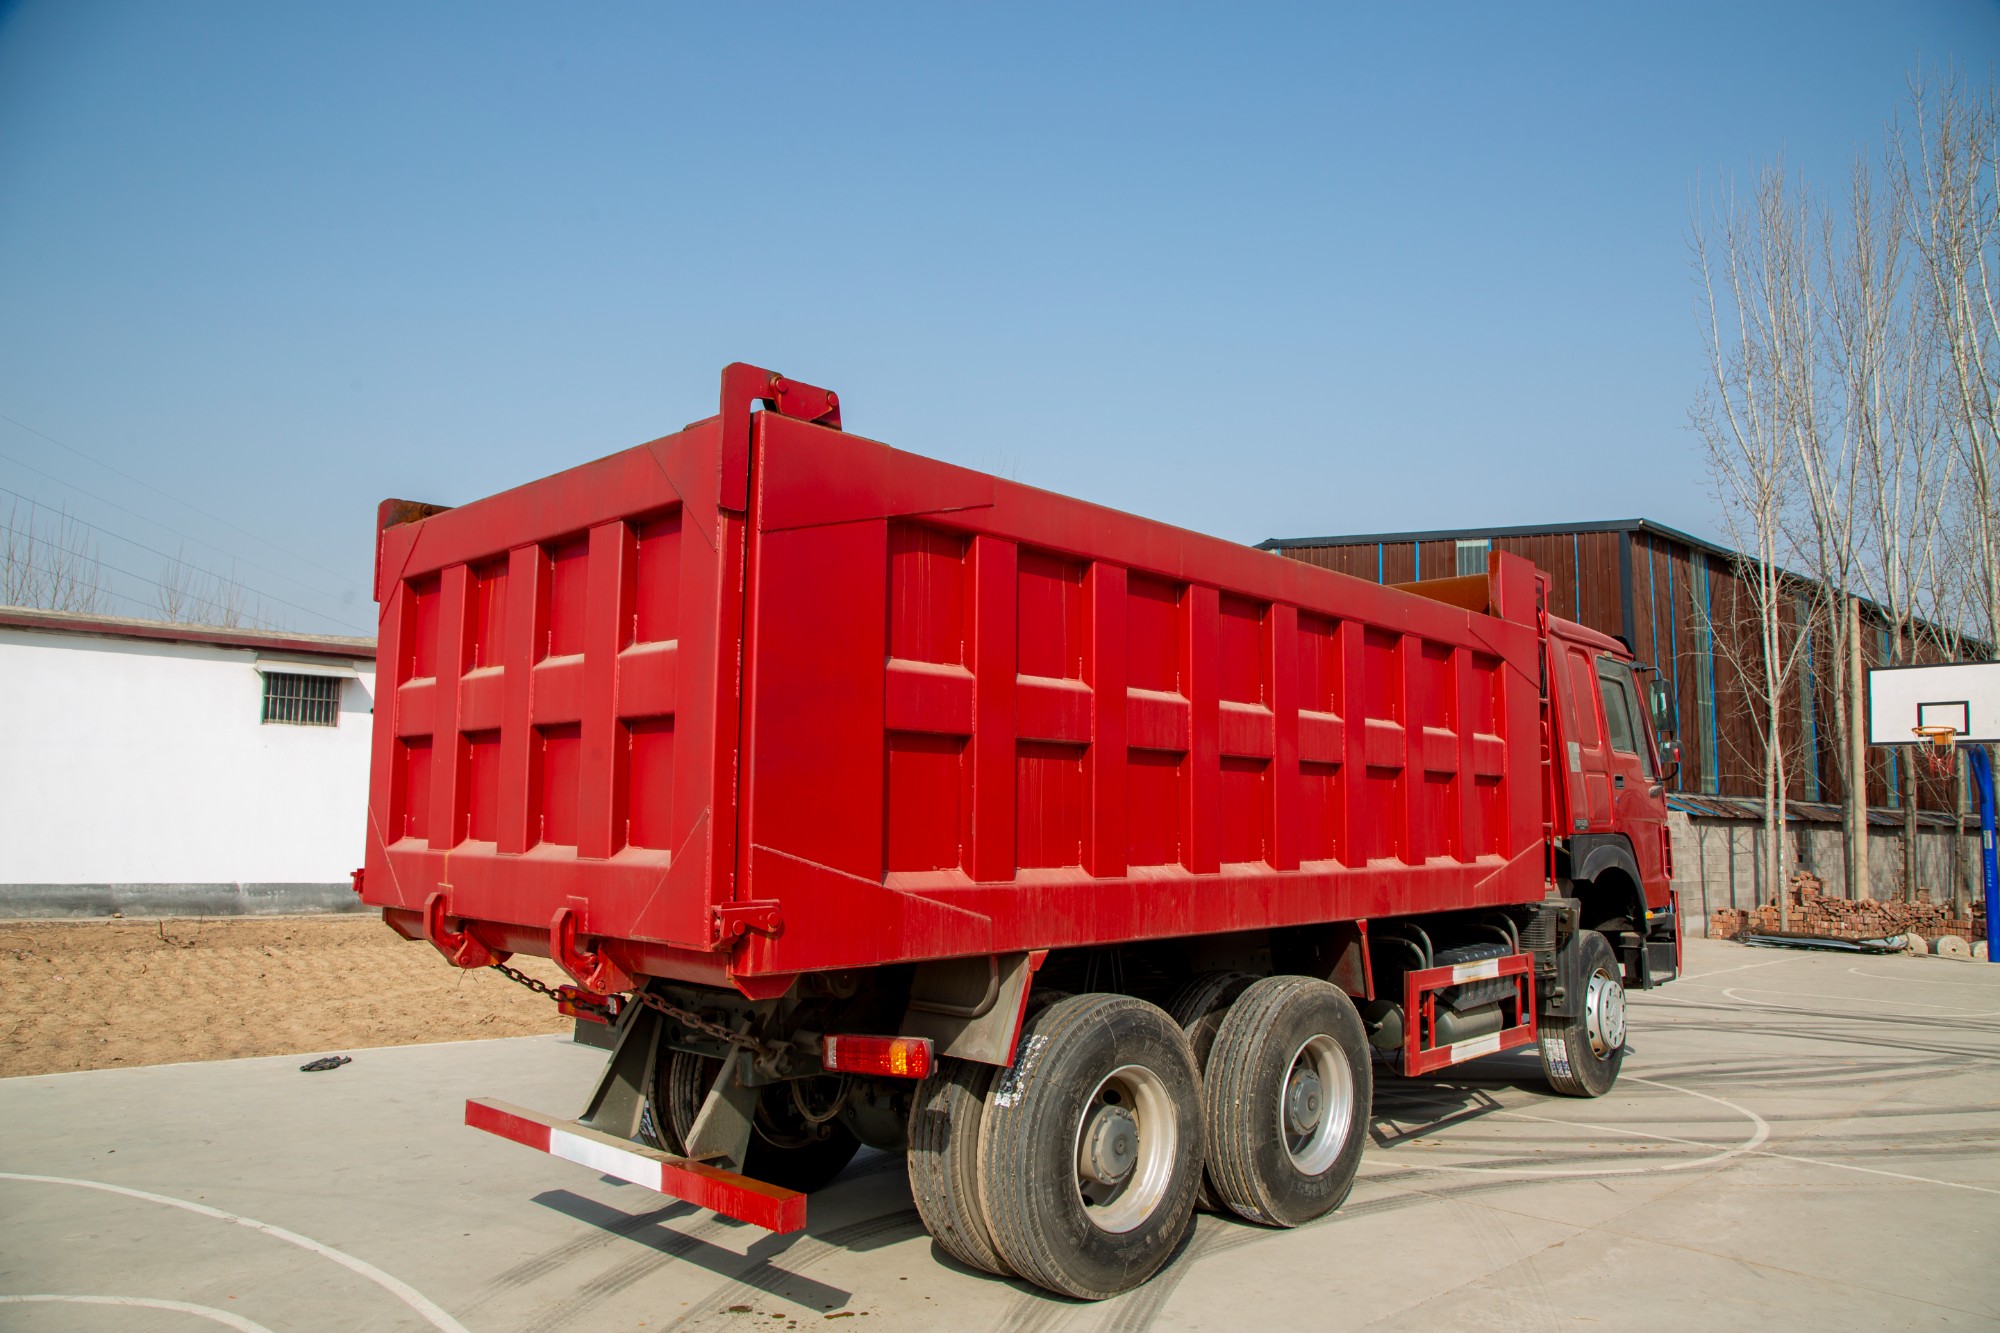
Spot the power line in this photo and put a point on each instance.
(223, 578)
(184, 536)
(84, 555)
(94, 591)
(177, 500)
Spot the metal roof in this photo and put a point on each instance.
(221, 636)
(1483, 534)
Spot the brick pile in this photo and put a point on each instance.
(1813, 913)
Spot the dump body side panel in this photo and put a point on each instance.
(980, 717)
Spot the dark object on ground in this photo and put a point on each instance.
(1830, 942)
(326, 1062)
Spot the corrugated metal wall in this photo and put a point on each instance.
(1702, 649)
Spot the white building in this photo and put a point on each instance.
(164, 769)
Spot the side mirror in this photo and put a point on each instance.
(1661, 700)
(1670, 760)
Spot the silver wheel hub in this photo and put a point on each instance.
(1110, 1146)
(1127, 1139)
(1318, 1108)
(1302, 1101)
(1604, 1013)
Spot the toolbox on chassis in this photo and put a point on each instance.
(1095, 862)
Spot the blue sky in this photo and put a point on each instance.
(1254, 270)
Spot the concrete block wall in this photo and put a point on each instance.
(1719, 863)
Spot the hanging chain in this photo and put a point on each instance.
(687, 1018)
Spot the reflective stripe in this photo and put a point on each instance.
(604, 1158)
(1476, 971)
(1476, 1047)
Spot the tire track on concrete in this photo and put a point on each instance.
(530, 1270)
(764, 1274)
(567, 1311)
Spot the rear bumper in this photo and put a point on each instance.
(705, 1186)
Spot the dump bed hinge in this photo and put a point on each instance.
(734, 920)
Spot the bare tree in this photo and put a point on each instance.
(1756, 269)
(189, 594)
(1949, 163)
(49, 565)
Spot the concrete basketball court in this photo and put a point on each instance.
(1799, 1140)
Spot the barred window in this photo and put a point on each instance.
(305, 701)
(1472, 557)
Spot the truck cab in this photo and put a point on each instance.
(1612, 847)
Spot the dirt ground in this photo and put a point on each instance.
(102, 994)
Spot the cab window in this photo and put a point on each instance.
(1621, 711)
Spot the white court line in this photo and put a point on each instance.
(1736, 993)
(235, 1321)
(1877, 1171)
(1751, 1147)
(1758, 1136)
(395, 1286)
(1875, 1003)
(1722, 971)
(1919, 981)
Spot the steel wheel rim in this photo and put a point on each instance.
(1604, 1013)
(1313, 1142)
(1142, 1094)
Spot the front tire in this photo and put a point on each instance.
(1286, 1101)
(1091, 1147)
(1581, 1055)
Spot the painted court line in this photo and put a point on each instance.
(395, 1286)
(223, 1317)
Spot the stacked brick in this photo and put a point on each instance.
(1813, 913)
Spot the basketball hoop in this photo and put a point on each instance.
(1939, 748)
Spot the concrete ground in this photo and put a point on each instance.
(1799, 1140)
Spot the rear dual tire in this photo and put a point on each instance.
(1285, 1101)
(786, 1148)
(1090, 1146)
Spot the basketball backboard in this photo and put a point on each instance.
(1964, 696)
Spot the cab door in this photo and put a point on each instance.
(1637, 800)
(1585, 759)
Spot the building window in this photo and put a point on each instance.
(305, 701)
(1472, 557)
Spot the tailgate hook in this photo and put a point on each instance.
(594, 971)
(462, 947)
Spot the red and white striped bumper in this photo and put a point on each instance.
(705, 1186)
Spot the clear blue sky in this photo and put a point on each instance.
(1254, 270)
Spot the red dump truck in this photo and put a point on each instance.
(1095, 863)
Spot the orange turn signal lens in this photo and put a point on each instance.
(891, 1057)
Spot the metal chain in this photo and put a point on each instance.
(685, 1017)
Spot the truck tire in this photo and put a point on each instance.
(1286, 1101)
(785, 1150)
(1581, 1054)
(944, 1162)
(1090, 1152)
(1199, 1009)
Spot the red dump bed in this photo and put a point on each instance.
(762, 697)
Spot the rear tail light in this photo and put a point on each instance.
(893, 1057)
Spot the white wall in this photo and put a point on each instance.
(128, 761)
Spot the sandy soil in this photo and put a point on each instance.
(101, 994)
